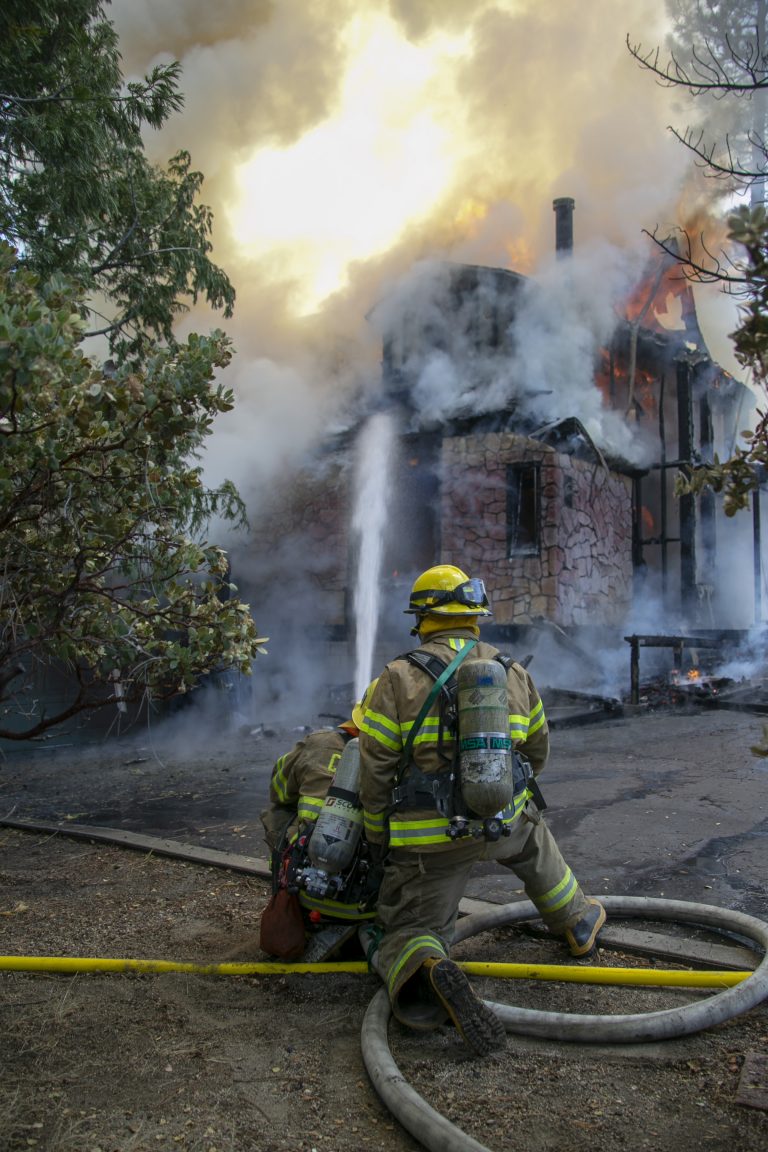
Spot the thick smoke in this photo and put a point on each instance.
(347, 143)
(563, 315)
(510, 102)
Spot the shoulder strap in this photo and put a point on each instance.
(444, 676)
(430, 663)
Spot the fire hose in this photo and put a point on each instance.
(438, 1134)
(743, 991)
(564, 973)
(738, 993)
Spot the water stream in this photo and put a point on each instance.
(373, 478)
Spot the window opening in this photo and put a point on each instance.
(523, 509)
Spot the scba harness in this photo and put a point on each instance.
(443, 789)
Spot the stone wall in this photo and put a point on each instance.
(582, 571)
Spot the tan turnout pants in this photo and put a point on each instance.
(419, 901)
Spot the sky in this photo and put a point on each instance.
(345, 142)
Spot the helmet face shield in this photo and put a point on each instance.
(454, 594)
(472, 594)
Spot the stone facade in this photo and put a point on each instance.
(578, 571)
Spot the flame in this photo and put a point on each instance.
(612, 378)
(522, 254)
(337, 195)
(663, 298)
(470, 212)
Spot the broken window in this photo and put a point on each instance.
(523, 509)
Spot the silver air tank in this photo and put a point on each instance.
(485, 746)
(339, 826)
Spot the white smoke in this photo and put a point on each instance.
(470, 116)
(259, 78)
(563, 315)
(567, 313)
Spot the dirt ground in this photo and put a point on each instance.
(133, 1062)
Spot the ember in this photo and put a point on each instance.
(693, 680)
(682, 687)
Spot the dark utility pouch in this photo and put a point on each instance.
(282, 926)
(420, 790)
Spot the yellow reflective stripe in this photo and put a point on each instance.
(381, 729)
(457, 644)
(309, 808)
(334, 908)
(537, 719)
(384, 734)
(406, 833)
(559, 895)
(428, 733)
(518, 726)
(412, 946)
(373, 821)
(418, 839)
(510, 814)
(429, 822)
(279, 782)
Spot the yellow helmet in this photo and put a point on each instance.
(447, 591)
(358, 712)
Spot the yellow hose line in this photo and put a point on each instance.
(574, 974)
(97, 964)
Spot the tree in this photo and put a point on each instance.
(77, 194)
(107, 573)
(720, 50)
(746, 470)
(102, 573)
(718, 53)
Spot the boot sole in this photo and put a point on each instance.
(478, 1025)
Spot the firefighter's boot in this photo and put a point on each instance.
(479, 1027)
(582, 936)
(325, 943)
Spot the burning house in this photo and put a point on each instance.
(550, 472)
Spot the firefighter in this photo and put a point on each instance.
(301, 778)
(413, 815)
(297, 789)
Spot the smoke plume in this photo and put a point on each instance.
(343, 141)
(347, 144)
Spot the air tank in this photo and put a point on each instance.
(485, 746)
(339, 826)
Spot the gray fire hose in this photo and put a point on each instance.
(438, 1134)
(429, 1127)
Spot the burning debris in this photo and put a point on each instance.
(700, 682)
(696, 681)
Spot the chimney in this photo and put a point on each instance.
(563, 208)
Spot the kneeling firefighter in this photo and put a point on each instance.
(324, 883)
(452, 740)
